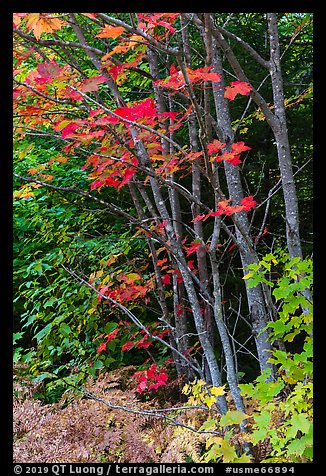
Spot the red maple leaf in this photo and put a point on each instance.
(193, 248)
(110, 32)
(160, 262)
(162, 378)
(162, 225)
(203, 74)
(74, 95)
(128, 345)
(233, 159)
(176, 79)
(69, 130)
(154, 386)
(237, 87)
(230, 249)
(143, 343)
(248, 203)
(142, 385)
(151, 372)
(238, 147)
(166, 279)
(112, 335)
(215, 146)
(191, 264)
(162, 334)
(49, 70)
(198, 218)
(101, 347)
(144, 108)
(232, 156)
(115, 71)
(224, 208)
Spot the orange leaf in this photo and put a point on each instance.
(237, 87)
(90, 15)
(42, 24)
(111, 32)
(91, 84)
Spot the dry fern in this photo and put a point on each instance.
(85, 430)
(185, 445)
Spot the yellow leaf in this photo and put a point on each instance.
(132, 277)
(185, 389)
(228, 452)
(192, 401)
(25, 193)
(134, 40)
(32, 22)
(210, 401)
(214, 440)
(218, 391)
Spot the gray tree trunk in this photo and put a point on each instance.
(259, 309)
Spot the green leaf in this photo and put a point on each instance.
(17, 336)
(300, 422)
(98, 365)
(110, 326)
(64, 329)
(296, 447)
(248, 275)
(42, 333)
(49, 302)
(209, 424)
(41, 377)
(38, 268)
(263, 419)
(232, 417)
(258, 435)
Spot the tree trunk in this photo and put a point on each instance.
(259, 309)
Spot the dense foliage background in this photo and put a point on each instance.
(163, 216)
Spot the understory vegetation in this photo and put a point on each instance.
(163, 266)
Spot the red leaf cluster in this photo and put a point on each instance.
(150, 379)
(194, 246)
(231, 156)
(112, 335)
(166, 279)
(224, 208)
(157, 19)
(143, 342)
(176, 79)
(246, 204)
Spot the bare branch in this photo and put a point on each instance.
(132, 317)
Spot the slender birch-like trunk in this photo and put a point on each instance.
(259, 310)
(181, 327)
(282, 142)
(196, 192)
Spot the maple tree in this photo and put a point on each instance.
(143, 134)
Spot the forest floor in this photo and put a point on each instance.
(79, 429)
